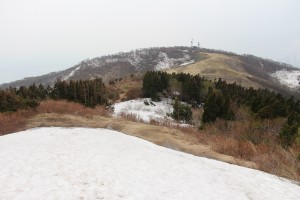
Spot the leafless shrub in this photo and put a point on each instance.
(16, 121)
(131, 117)
(133, 93)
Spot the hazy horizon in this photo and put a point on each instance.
(38, 37)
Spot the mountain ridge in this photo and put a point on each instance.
(115, 65)
(257, 71)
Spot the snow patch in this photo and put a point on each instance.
(134, 59)
(290, 78)
(262, 65)
(154, 110)
(166, 63)
(146, 110)
(82, 163)
(187, 63)
(71, 74)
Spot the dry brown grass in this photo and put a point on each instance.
(13, 122)
(279, 161)
(133, 93)
(16, 121)
(130, 117)
(216, 65)
(65, 107)
(196, 116)
(127, 88)
(233, 147)
(254, 141)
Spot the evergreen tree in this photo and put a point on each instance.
(217, 106)
(290, 129)
(181, 112)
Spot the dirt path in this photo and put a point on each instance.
(163, 136)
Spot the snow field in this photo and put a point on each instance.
(156, 111)
(288, 78)
(82, 163)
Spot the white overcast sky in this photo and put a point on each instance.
(41, 36)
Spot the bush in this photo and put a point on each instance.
(298, 137)
(290, 131)
(182, 112)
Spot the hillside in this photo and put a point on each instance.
(83, 163)
(214, 65)
(247, 70)
(115, 66)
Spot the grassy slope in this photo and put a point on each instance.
(215, 65)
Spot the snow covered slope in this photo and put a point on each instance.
(290, 78)
(115, 66)
(81, 163)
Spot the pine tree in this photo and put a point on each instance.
(217, 106)
(181, 112)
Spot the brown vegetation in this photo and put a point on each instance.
(65, 107)
(251, 141)
(133, 93)
(13, 122)
(216, 65)
(16, 121)
(129, 87)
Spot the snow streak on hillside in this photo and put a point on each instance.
(71, 73)
(81, 163)
(290, 78)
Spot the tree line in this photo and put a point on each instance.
(186, 87)
(88, 92)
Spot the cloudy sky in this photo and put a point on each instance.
(41, 36)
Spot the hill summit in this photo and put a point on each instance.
(246, 70)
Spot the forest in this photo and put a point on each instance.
(89, 93)
(220, 100)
